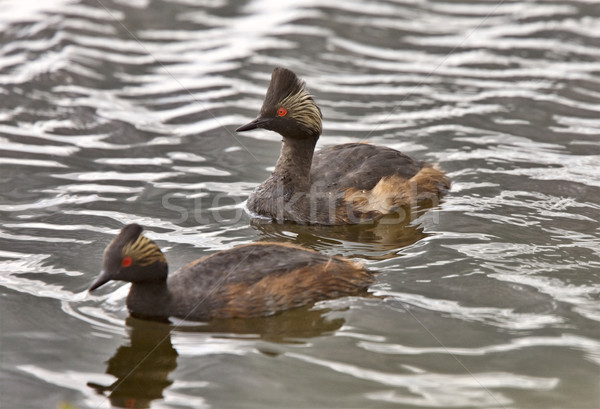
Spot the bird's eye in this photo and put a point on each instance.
(126, 261)
(281, 112)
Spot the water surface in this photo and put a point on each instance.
(124, 111)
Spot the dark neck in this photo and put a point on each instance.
(295, 160)
(149, 300)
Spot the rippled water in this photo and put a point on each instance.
(123, 111)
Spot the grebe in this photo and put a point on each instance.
(343, 184)
(250, 280)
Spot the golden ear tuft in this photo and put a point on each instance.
(144, 251)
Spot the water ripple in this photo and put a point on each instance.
(120, 112)
(457, 390)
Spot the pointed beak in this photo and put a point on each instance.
(259, 122)
(102, 279)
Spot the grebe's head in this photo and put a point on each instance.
(132, 257)
(288, 108)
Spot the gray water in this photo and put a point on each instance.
(119, 111)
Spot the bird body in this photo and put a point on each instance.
(342, 184)
(251, 280)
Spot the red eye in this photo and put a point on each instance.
(281, 111)
(126, 261)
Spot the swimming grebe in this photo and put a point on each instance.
(343, 184)
(251, 280)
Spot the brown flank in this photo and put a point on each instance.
(281, 292)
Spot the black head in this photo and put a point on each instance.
(132, 257)
(288, 108)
